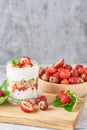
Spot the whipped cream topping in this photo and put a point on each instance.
(18, 74)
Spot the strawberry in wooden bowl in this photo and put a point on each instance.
(61, 76)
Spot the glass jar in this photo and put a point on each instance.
(22, 82)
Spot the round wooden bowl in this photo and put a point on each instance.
(79, 90)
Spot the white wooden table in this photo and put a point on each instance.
(82, 123)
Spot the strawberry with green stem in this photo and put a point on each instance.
(67, 100)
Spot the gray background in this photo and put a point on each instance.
(45, 30)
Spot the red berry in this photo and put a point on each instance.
(45, 77)
(68, 67)
(59, 63)
(41, 71)
(84, 76)
(50, 70)
(64, 81)
(65, 99)
(74, 73)
(64, 74)
(78, 66)
(43, 105)
(41, 98)
(82, 70)
(57, 75)
(1, 93)
(60, 93)
(73, 80)
(53, 79)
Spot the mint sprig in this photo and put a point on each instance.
(68, 107)
(15, 61)
(3, 87)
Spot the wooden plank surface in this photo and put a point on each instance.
(54, 118)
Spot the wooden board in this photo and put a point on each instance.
(54, 118)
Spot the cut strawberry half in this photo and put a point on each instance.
(27, 106)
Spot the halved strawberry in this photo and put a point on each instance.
(14, 87)
(22, 88)
(59, 63)
(25, 61)
(27, 106)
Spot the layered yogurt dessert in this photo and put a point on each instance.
(22, 77)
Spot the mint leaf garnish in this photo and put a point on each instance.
(3, 87)
(15, 61)
(68, 107)
(57, 102)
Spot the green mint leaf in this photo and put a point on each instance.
(6, 93)
(57, 102)
(3, 99)
(15, 61)
(3, 87)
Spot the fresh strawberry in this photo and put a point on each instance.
(60, 93)
(42, 102)
(74, 73)
(64, 74)
(57, 75)
(41, 71)
(68, 67)
(60, 69)
(59, 63)
(84, 76)
(78, 66)
(65, 99)
(80, 80)
(50, 70)
(82, 70)
(40, 98)
(45, 77)
(25, 61)
(27, 106)
(43, 105)
(64, 81)
(73, 80)
(1, 93)
(54, 79)
(22, 88)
